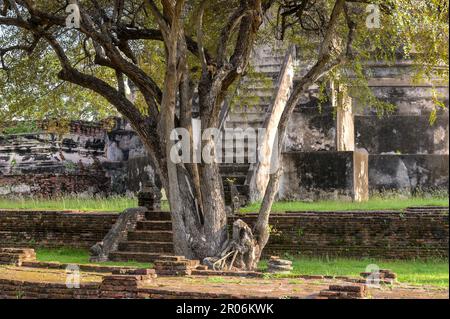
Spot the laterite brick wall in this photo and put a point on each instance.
(19, 289)
(381, 234)
(359, 234)
(53, 228)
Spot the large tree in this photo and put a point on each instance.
(173, 50)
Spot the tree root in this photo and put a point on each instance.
(240, 252)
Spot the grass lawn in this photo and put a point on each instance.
(375, 203)
(110, 204)
(79, 256)
(414, 272)
(120, 203)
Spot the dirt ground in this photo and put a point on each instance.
(43, 275)
(256, 287)
(287, 288)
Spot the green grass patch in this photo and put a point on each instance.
(375, 203)
(21, 127)
(77, 203)
(120, 203)
(109, 204)
(434, 272)
(66, 255)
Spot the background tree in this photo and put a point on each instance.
(171, 50)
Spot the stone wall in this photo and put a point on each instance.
(406, 151)
(53, 228)
(382, 234)
(402, 134)
(87, 158)
(324, 176)
(20, 289)
(408, 173)
(312, 126)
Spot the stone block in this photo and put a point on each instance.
(324, 175)
(408, 172)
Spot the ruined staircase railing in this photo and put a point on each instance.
(127, 221)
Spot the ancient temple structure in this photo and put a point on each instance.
(341, 148)
(337, 149)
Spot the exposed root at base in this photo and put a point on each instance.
(241, 252)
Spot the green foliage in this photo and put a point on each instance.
(20, 128)
(30, 88)
(417, 31)
(31, 91)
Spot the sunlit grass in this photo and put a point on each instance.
(375, 203)
(120, 203)
(68, 255)
(112, 203)
(434, 272)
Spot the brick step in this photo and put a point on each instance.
(242, 189)
(260, 87)
(243, 199)
(239, 157)
(133, 256)
(245, 124)
(254, 108)
(232, 159)
(269, 68)
(234, 168)
(271, 57)
(247, 115)
(236, 176)
(154, 225)
(153, 235)
(232, 156)
(233, 136)
(242, 148)
(146, 247)
(257, 97)
(421, 209)
(257, 82)
(157, 215)
(236, 181)
(270, 61)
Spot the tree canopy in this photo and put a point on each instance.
(31, 89)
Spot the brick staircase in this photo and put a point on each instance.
(267, 62)
(151, 238)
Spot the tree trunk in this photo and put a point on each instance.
(213, 208)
